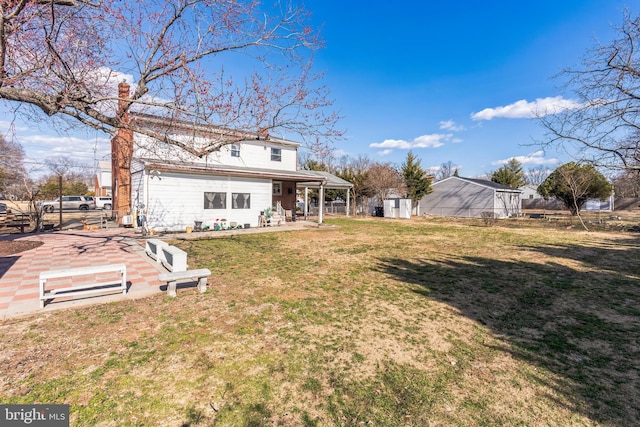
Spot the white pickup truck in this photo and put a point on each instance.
(103, 202)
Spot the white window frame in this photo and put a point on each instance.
(276, 157)
(235, 150)
(277, 188)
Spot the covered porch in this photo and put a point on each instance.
(323, 181)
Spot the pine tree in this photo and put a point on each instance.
(510, 174)
(417, 181)
(573, 184)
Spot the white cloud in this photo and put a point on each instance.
(524, 109)
(384, 152)
(391, 143)
(451, 125)
(9, 127)
(532, 159)
(433, 170)
(110, 77)
(56, 141)
(424, 141)
(40, 147)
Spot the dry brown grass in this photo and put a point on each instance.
(422, 322)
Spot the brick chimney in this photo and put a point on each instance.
(121, 154)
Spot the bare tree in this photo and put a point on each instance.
(31, 193)
(537, 175)
(64, 58)
(356, 172)
(603, 128)
(446, 170)
(627, 184)
(68, 168)
(383, 180)
(11, 168)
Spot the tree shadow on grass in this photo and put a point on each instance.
(580, 323)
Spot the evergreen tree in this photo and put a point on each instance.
(417, 181)
(573, 184)
(510, 174)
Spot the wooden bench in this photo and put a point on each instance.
(20, 225)
(152, 248)
(20, 221)
(173, 277)
(173, 258)
(90, 288)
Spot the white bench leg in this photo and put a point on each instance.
(202, 284)
(42, 285)
(171, 289)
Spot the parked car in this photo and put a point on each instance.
(82, 203)
(103, 203)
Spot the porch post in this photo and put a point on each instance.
(348, 199)
(321, 203)
(306, 202)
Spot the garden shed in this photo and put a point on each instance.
(470, 198)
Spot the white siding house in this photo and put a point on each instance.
(465, 197)
(102, 186)
(530, 192)
(174, 189)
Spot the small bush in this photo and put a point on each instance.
(489, 218)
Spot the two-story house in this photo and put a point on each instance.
(236, 183)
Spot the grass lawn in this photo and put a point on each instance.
(364, 322)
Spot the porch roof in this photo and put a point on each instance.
(303, 176)
(330, 181)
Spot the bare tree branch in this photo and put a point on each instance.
(605, 129)
(66, 57)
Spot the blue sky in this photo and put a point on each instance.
(452, 81)
(414, 73)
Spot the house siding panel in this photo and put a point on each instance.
(257, 155)
(507, 204)
(178, 200)
(138, 176)
(253, 154)
(457, 198)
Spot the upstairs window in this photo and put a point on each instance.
(235, 150)
(276, 155)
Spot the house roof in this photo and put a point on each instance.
(104, 165)
(483, 183)
(182, 127)
(331, 181)
(304, 178)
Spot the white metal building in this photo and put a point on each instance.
(466, 197)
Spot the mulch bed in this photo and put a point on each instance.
(12, 247)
